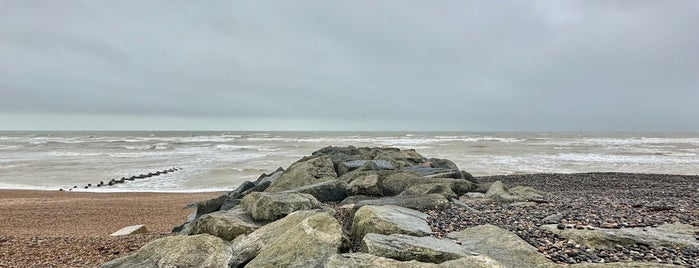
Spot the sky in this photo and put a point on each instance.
(350, 65)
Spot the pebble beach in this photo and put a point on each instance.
(71, 229)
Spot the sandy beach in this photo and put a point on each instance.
(72, 229)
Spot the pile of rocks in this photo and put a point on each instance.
(350, 207)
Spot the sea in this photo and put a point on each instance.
(220, 161)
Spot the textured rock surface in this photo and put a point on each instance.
(442, 189)
(406, 248)
(501, 245)
(305, 172)
(263, 206)
(224, 224)
(389, 220)
(178, 251)
(301, 239)
(500, 193)
(419, 202)
(368, 185)
(364, 260)
(133, 229)
(666, 235)
(329, 191)
(398, 182)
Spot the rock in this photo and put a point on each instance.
(264, 206)
(272, 177)
(229, 204)
(343, 154)
(208, 206)
(363, 165)
(465, 206)
(134, 229)
(501, 245)
(400, 181)
(499, 192)
(666, 235)
(430, 188)
(258, 188)
(418, 202)
(329, 191)
(365, 185)
(236, 194)
(364, 260)
(553, 218)
(310, 171)
(352, 200)
(522, 204)
(224, 224)
(389, 220)
(178, 251)
(406, 248)
(467, 176)
(526, 193)
(301, 239)
(401, 158)
(473, 195)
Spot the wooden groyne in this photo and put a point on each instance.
(125, 179)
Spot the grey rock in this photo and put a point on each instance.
(401, 158)
(406, 248)
(552, 219)
(465, 206)
(499, 192)
(389, 220)
(301, 239)
(400, 181)
(351, 200)
(363, 165)
(418, 202)
(527, 193)
(501, 245)
(430, 188)
(666, 235)
(133, 229)
(236, 194)
(224, 224)
(364, 260)
(272, 177)
(365, 185)
(178, 251)
(306, 172)
(208, 206)
(329, 191)
(473, 195)
(264, 206)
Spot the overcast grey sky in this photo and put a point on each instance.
(350, 65)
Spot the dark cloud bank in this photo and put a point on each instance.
(350, 65)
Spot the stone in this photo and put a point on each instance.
(665, 235)
(329, 191)
(366, 185)
(354, 199)
(246, 185)
(430, 188)
(418, 202)
(473, 195)
(401, 158)
(363, 165)
(364, 260)
(264, 206)
(400, 181)
(208, 206)
(224, 224)
(389, 220)
(553, 218)
(178, 251)
(406, 248)
(272, 177)
(301, 239)
(465, 206)
(342, 154)
(526, 193)
(309, 171)
(500, 245)
(133, 229)
(499, 192)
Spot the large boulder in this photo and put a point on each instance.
(430, 188)
(224, 224)
(401, 158)
(364, 260)
(301, 239)
(499, 192)
(178, 251)
(406, 248)
(666, 235)
(389, 220)
(501, 245)
(363, 165)
(309, 171)
(369, 185)
(208, 206)
(418, 202)
(329, 191)
(264, 206)
(400, 181)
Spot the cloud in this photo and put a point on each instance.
(448, 65)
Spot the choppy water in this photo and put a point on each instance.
(221, 160)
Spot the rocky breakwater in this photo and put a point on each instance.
(351, 207)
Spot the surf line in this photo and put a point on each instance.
(125, 179)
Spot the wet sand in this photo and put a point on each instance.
(71, 229)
